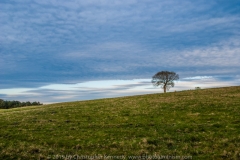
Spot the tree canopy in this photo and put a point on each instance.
(15, 104)
(165, 79)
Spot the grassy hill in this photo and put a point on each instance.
(195, 124)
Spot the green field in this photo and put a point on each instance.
(194, 124)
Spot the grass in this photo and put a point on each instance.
(197, 124)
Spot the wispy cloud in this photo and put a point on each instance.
(107, 89)
(56, 41)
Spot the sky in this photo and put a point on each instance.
(58, 50)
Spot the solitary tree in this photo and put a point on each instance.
(165, 79)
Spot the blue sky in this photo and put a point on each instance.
(59, 42)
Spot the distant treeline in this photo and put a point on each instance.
(15, 104)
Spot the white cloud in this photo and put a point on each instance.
(107, 89)
(198, 77)
(223, 54)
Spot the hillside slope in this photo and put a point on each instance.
(197, 124)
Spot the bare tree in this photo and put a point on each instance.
(165, 79)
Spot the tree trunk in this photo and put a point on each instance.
(165, 88)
